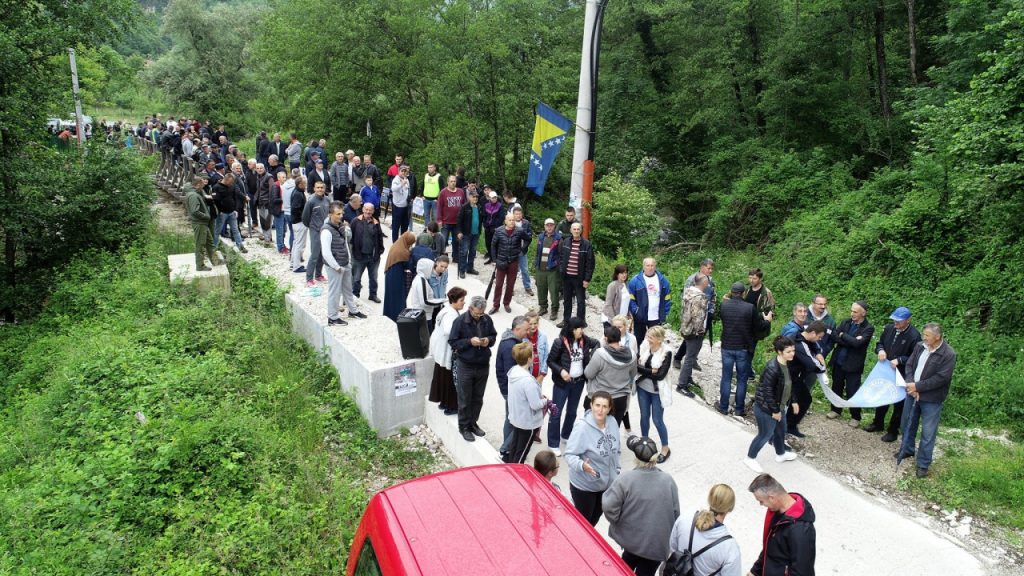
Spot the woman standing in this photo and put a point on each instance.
(525, 404)
(427, 291)
(569, 356)
(612, 369)
(442, 387)
(642, 506)
(704, 534)
(592, 454)
(773, 393)
(395, 271)
(625, 325)
(616, 297)
(652, 367)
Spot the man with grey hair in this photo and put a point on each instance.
(929, 374)
(707, 266)
(264, 182)
(797, 324)
(694, 323)
(339, 177)
(400, 194)
(502, 364)
(789, 534)
(472, 337)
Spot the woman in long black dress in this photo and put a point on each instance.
(395, 271)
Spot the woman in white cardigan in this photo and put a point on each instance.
(442, 387)
(427, 290)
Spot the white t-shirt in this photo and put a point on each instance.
(624, 305)
(653, 297)
(576, 360)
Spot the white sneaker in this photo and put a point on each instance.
(753, 465)
(786, 457)
(557, 451)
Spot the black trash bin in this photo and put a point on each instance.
(412, 333)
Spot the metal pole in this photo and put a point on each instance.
(581, 190)
(78, 99)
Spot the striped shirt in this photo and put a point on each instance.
(572, 267)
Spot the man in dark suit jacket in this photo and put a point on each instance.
(851, 338)
(278, 148)
(318, 174)
(929, 375)
(895, 345)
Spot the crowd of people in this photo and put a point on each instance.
(287, 189)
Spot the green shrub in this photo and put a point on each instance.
(624, 216)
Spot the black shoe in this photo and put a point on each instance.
(473, 272)
(462, 275)
(722, 412)
(889, 437)
(662, 457)
(560, 324)
(685, 391)
(505, 457)
(873, 427)
(468, 436)
(478, 430)
(336, 322)
(450, 411)
(488, 262)
(796, 432)
(299, 270)
(696, 367)
(677, 365)
(203, 269)
(921, 472)
(740, 414)
(374, 299)
(357, 315)
(492, 311)
(244, 251)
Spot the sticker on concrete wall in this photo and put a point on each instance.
(405, 380)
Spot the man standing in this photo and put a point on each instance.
(808, 364)
(650, 299)
(819, 311)
(395, 168)
(201, 216)
(798, 322)
(431, 190)
(401, 192)
(764, 302)
(739, 322)
(354, 208)
(852, 338)
(896, 344)
(524, 268)
(367, 247)
(371, 170)
(506, 247)
(470, 225)
(450, 203)
(297, 205)
(277, 148)
(565, 226)
(576, 267)
(789, 539)
(224, 197)
(707, 267)
(549, 277)
(931, 368)
(338, 175)
(264, 183)
(504, 362)
(314, 213)
(319, 175)
(472, 337)
(694, 323)
(494, 218)
(294, 152)
(335, 241)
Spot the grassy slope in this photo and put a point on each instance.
(249, 459)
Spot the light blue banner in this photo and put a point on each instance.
(883, 386)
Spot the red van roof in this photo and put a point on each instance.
(495, 519)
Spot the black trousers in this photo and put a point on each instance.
(641, 566)
(488, 237)
(620, 410)
(849, 382)
(588, 504)
(470, 384)
(572, 287)
(519, 448)
(894, 423)
(802, 395)
(640, 328)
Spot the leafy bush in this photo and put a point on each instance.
(624, 216)
(152, 430)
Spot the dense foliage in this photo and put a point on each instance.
(151, 430)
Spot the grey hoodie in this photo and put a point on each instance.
(725, 555)
(612, 370)
(525, 405)
(600, 447)
(641, 507)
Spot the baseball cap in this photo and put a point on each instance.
(643, 448)
(900, 314)
(549, 221)
(486, 186)
(492, 193)
(738, 287)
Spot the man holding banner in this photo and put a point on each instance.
(930, 368)
(896, 344)
(852, 338)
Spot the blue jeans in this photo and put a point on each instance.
(567, 398)
(741, 361)
(450, 231)
(226, 220)
(524, 271)
(651, 402)
(279, 226)
(467, 253)
(428, 211)
(927, 415)
(768, 430)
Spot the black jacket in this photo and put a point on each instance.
(937, 374)
(586, 259)
(263, 149)
(643, 369)
(263, 185)
(772, 384)
(900, 347)
(297, 203)
(465, 224)
(805, 364)
(358, 231)
(856, 345)
(739, 323)
(507, 246)
(560, 358)
(788, 542)
(224, 198)
(466, 328)
(278, 149)
(312, 178)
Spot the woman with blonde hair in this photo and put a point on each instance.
(703, 533)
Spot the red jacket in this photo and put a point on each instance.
(449, 202)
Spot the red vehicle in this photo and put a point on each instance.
(498, 519)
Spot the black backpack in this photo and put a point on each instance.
(681, 563)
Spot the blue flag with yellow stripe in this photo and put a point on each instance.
(548, 135)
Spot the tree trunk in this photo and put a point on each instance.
(755, 59)
(10, 235)
(883, 75)
(912, 32)
(499, 156)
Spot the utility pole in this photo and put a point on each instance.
(581, 192)
(78, 99)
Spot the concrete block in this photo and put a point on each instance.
(183, 269)
(303, 324)
(463, 453)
